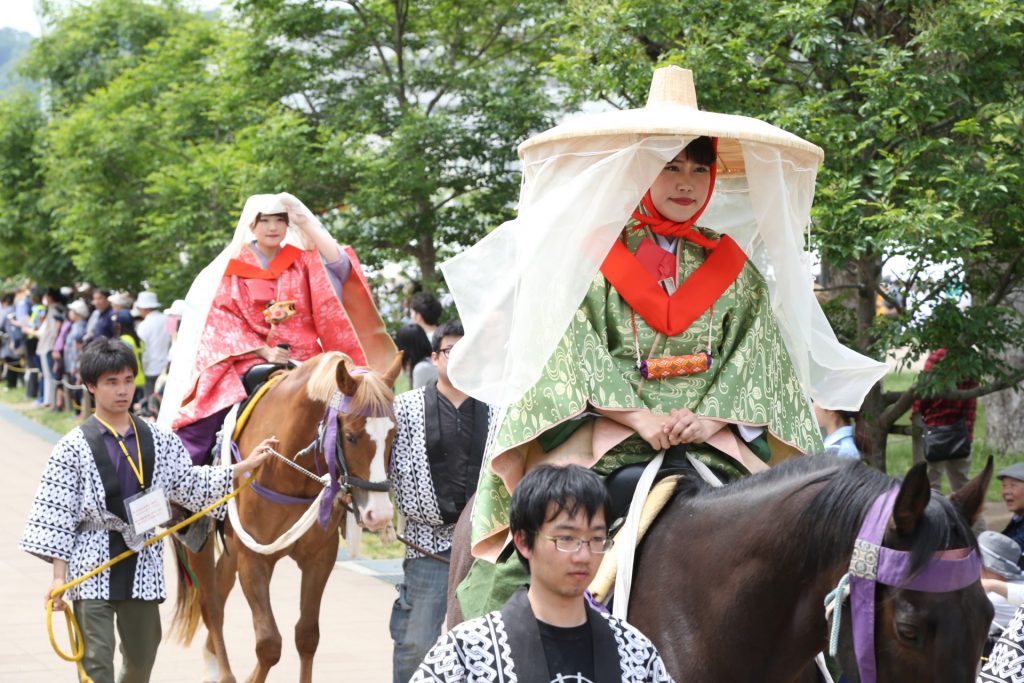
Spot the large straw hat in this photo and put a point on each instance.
(672, 110)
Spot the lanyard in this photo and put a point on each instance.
(137, 469)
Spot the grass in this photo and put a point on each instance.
(61, 422)
(372, 548)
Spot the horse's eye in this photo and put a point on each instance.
(351, 437)
(908, 633)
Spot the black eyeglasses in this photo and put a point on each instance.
(446, 351)
(570, 544)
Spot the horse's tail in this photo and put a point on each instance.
(187, 608)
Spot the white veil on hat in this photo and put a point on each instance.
(518, 288)
(181, 376)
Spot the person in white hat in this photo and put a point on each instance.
(1001, 577)
(652, 294)
(78, 314)
(282, 282)
(156, 344)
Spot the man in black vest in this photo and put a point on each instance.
(435, 462)
(105, 489)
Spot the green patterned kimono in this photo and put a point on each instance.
(751, 381)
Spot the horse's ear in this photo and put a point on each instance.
(347, 384)
(970, 499)
(911, 501)
(396, 367)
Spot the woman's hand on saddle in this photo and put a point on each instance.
(685, 426)
(258, 456)
(275, 355)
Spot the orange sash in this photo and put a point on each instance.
(284, 259)
(672, 315)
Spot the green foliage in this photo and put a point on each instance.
(27, 244)
(93, 43)
(418, 106)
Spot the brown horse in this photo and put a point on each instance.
(730, 582)
(295, 410)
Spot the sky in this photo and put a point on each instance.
(20, 14)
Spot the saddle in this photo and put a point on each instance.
(621, 483)
(259, 374)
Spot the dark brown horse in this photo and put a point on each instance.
(730, 582)
(292, 410)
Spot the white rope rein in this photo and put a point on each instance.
(287, 538)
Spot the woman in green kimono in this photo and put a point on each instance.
(675, 339)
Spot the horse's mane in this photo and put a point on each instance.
(835, 513)
(373, 397)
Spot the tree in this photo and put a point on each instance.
(418, 108)
(146, 173)
(27, 245)
(919, 109)
(93, 42)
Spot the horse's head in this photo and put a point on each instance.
(933, 628)
(366, 427)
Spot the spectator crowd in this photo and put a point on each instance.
(43, 331)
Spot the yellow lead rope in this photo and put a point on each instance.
(74, 631)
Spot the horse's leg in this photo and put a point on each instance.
(254, 573)
(223, 580)
(316, 560)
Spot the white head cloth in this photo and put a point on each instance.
(517, 289)
(181, 376)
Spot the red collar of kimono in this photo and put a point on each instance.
(284, 259)
(672, 315)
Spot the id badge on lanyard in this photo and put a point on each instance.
(147, 509)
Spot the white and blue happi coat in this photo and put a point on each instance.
(504, 646)
(70, 513)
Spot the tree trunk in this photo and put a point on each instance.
(1004, 410)
(427, 258)
(871, 426)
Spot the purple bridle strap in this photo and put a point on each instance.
(330, 446)
(264, 492)
(872, 564)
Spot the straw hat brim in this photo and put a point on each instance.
(670, 119)
(672, 110)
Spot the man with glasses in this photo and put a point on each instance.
(558, 523)
(435, 461)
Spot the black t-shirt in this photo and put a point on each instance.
(569, 652)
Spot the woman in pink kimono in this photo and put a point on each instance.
(283, 290)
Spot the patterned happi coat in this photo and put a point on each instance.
(235, 326)
(71, 493)
(1006, 662)
(751, 382)
(505, 646)
(413, 473)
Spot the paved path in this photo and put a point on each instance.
(354, 642)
